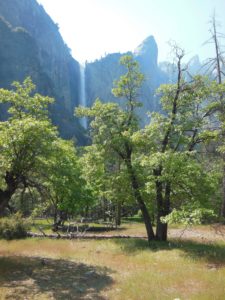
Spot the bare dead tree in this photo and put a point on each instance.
(216, 66)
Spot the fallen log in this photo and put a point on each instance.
(80, 236)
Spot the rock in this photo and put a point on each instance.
(147, 53)
(101, 74)
(31, 45)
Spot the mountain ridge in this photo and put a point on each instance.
(57, 74)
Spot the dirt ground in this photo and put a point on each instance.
(203, 233)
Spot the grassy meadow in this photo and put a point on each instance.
(190, 266)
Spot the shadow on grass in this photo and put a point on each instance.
(57, 279)
(210, 252)
(79, 227)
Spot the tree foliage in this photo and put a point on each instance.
(33, 155)
(112, 127)
(163, 164)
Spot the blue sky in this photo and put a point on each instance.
(92, 28)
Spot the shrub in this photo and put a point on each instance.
(13, 227)
(190, 216)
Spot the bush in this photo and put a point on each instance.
(13, 227)
(190, 216)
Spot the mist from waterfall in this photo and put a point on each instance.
(83, 121)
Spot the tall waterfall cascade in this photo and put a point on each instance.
(83, 102)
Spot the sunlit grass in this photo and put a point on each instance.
(128, 269)
(39, 225)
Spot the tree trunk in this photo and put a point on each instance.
(163, 207)
(104, 202)
(161, 228)
(55, 215)
(223, 189)
(86, 211)
(219, 63)
(5, 196)
(161, 231)
(163, 204)
(147, 219)
(140, 201)
(118, 214)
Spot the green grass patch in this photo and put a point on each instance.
(134, 219)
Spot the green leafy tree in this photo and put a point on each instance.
(172, 145)
(112, 128)
(34, 157)
(107, 178)
(25, 138)
(164, 166)
(63, 183)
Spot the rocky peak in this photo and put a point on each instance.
(194, 65)
(148, 50)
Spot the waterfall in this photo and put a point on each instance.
(83, 121)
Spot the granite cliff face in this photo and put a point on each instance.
(101, 73)
(147, 56)
(31, 45)
(99, 77)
